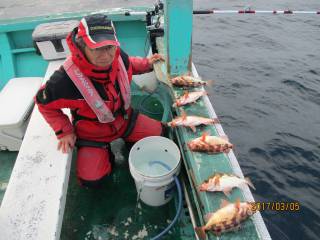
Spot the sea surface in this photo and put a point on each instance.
(266, 70)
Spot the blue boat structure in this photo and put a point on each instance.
(39, 195)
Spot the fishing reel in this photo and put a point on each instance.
(155, 26)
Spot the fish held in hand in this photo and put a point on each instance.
(210, 144)
(222, 182)
(227, 218)
(189, 97)
(189, 81)
(191, 121)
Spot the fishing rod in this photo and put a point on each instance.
(251, 11)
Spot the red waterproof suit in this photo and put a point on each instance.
(60, 92)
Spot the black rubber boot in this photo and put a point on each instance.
(96, 184)
(129, 145)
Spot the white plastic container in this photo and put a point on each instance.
(16, 103)
(148, 162)
(50, 38)
(146, 81)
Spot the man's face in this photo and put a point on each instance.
(101, 57)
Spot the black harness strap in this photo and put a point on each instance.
(132, 123)
(89, 143)
(77, 117)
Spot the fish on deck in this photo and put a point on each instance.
(210, 144)
(221, 182)
(228, 218)
(191, 121)
(189, 81)
(189, 97)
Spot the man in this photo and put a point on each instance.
(94, 83)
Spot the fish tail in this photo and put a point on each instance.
(166, 124)
(250, 183)
(209, 83)
(216, 121)
(190, 146)
(200, 232)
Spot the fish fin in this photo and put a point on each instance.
(208, 216)
(237, 204)
(227, 150)
(201, 188)
(224, 203)
(203, 136)
(225, 137)
(200, 231)
(183, 115)
(216, 121)
(209, 83)
(250, 183)
(217, 180)
(193, 128)
(186, 94)
(167, 124)
(227, 192)
(189, 145)
(171, 124)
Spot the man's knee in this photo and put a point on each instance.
(93, 165)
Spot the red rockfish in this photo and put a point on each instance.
(188, 81)
(191, 121)
(222, 182)
(189, 97)
(210, 144)
(227, 218)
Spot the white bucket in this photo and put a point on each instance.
(148, 159)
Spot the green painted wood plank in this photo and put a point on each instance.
(23, 50)
(178, 33)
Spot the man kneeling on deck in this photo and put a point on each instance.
(94, 83)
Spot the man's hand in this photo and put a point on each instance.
(67, 142)
(154, 58)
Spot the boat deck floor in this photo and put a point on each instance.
(113, 212)
(7, 160)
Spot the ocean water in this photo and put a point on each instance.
(266, 93)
